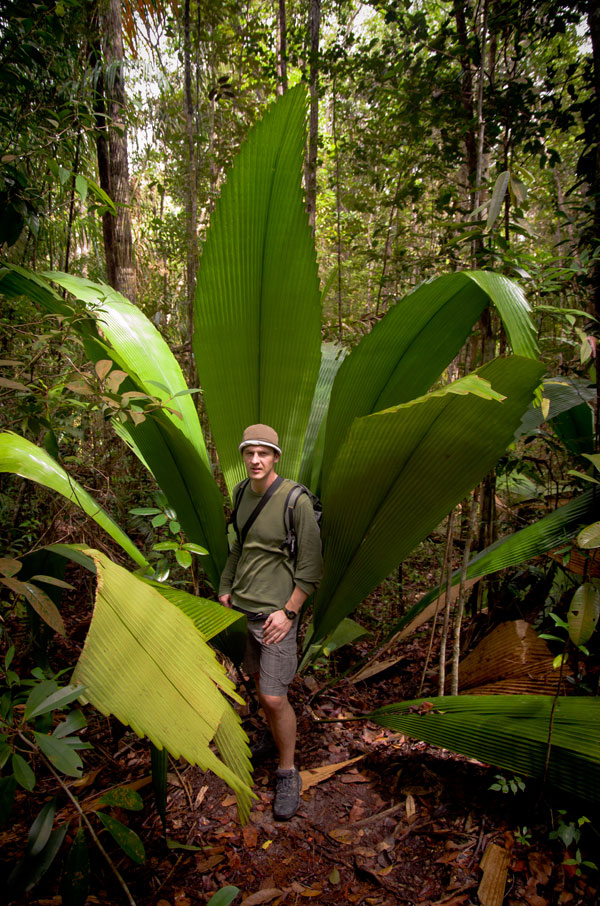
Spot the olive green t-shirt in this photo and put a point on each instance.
(261, 576)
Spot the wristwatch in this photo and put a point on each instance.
(289, 614)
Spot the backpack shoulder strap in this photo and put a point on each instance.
(238, 493)
(258, 508)
(288, 517)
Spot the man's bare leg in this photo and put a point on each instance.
(282, 723)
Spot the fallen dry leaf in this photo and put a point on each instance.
(540, 867)
(356, 812)
(250, 835)
(206, 864)
(200, 797)
(446, 858)
(181, 898)
(366, 852)
(227, 801)
(345, 835)
(352, 777)
(262, 896)
(317, 775)
(426, 890)
(384, 872)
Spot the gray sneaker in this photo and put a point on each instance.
(287, 794)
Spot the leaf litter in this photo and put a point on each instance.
(383, 820)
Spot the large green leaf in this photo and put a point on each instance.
(207, 616)
(19, 281)
(511, 732)
(145, 662)
(553, 530)
(21, 457)
(562, 394)
(584, 612)
(402, 470)
(257, 335)
(171, 445)
(332, 356)
(140, 350)
(406, 352)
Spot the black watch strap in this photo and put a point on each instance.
(289, 614)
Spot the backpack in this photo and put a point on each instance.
(296, 491)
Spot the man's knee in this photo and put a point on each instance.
(274, 704)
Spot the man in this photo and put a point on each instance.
(270, 584)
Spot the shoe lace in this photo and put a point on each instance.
(286, 783)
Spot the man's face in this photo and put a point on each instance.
(259, 461)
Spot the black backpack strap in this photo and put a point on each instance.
(237, 497)
(258, 508)
(288, 518)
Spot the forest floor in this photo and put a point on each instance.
(383, 819)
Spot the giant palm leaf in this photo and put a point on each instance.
(400, 471)
(553, 530)
(145, 662)
(332, 356)
(407, 351)
(169, 443)
(257, 316)
(21, 457)
(511, 732)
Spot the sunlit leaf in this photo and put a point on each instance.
(21, 457)
(257, 337)
(146, 663)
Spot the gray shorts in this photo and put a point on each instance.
(276, 663)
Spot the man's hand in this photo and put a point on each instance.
(225, 600)
(276, 627)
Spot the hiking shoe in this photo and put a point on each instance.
(287, 794)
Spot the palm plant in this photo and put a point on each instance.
(389, 445)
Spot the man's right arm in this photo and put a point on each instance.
(228, 574)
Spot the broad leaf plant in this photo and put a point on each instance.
(389, 445)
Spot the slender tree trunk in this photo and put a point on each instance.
(480, 115)
(310, 172)
(447, 603)
(460, 606)
(72, 202)
(466, 94)
(114, 167)
(282, 81)
(594, 26)
(388, 243)
(191, 206)
(338, 206)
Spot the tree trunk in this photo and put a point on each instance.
(282, 82)
(310, 173)
(338, 207)
(112, 155)
(466, 95)
(191, 205)
(594, 26)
